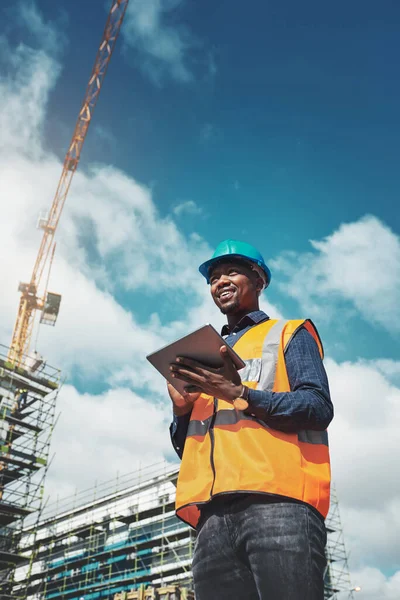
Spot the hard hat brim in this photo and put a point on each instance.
(205, 267)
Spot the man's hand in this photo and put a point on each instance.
(182, 404)
(224, 383)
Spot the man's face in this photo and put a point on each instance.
(234, 287)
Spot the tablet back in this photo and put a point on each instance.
(203, 345)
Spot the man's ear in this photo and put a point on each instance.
(259, 285)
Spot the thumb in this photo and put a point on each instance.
(225, 355)
(229, 366)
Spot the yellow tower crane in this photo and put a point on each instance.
(32, 299)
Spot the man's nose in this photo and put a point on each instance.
(222, 281)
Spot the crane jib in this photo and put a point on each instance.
(31, 299)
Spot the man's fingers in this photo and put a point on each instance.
(183, 363)
(225, 354)
(191, 363)
(185, 375)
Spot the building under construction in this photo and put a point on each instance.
(109, 540)
(122, 540)
(27, 409)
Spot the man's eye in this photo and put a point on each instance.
(232, 272)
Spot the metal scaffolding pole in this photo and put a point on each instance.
(27, 411)
(337, 576)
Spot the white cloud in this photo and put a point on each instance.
(105, 136)
(359, 264)
(23, 97)
(50, 39)
(365, 447)
(390, 368)
(99, 435)
(162, 48)
(375, 585)
(150, 251)
(188, 207)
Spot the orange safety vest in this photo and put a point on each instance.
(229, 451)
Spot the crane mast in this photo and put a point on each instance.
(31, 300)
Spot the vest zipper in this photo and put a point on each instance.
(212, 439)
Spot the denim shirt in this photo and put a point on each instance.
(307, 406)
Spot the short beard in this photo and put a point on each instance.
(230, 308)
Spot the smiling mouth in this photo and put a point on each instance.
(226, 295)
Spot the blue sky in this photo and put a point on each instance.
(272, 122)
(282, 125)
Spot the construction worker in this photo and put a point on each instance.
(22, 398)
(255, 476)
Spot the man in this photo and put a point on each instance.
(254, 482)
(22, 399)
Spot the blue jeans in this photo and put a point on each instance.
(249, 548)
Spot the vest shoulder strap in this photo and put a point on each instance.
(294, 325)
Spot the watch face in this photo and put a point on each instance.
(240, 404)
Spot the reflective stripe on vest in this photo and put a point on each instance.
(227, 450)
(233, 417)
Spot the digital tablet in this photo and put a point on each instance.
(203, 345)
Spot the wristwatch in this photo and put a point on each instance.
(242, 403)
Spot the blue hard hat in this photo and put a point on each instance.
(236, 249)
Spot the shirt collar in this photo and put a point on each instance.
(252, 318)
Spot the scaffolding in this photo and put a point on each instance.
(27, 409)
(116, 538)
(337, 576)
